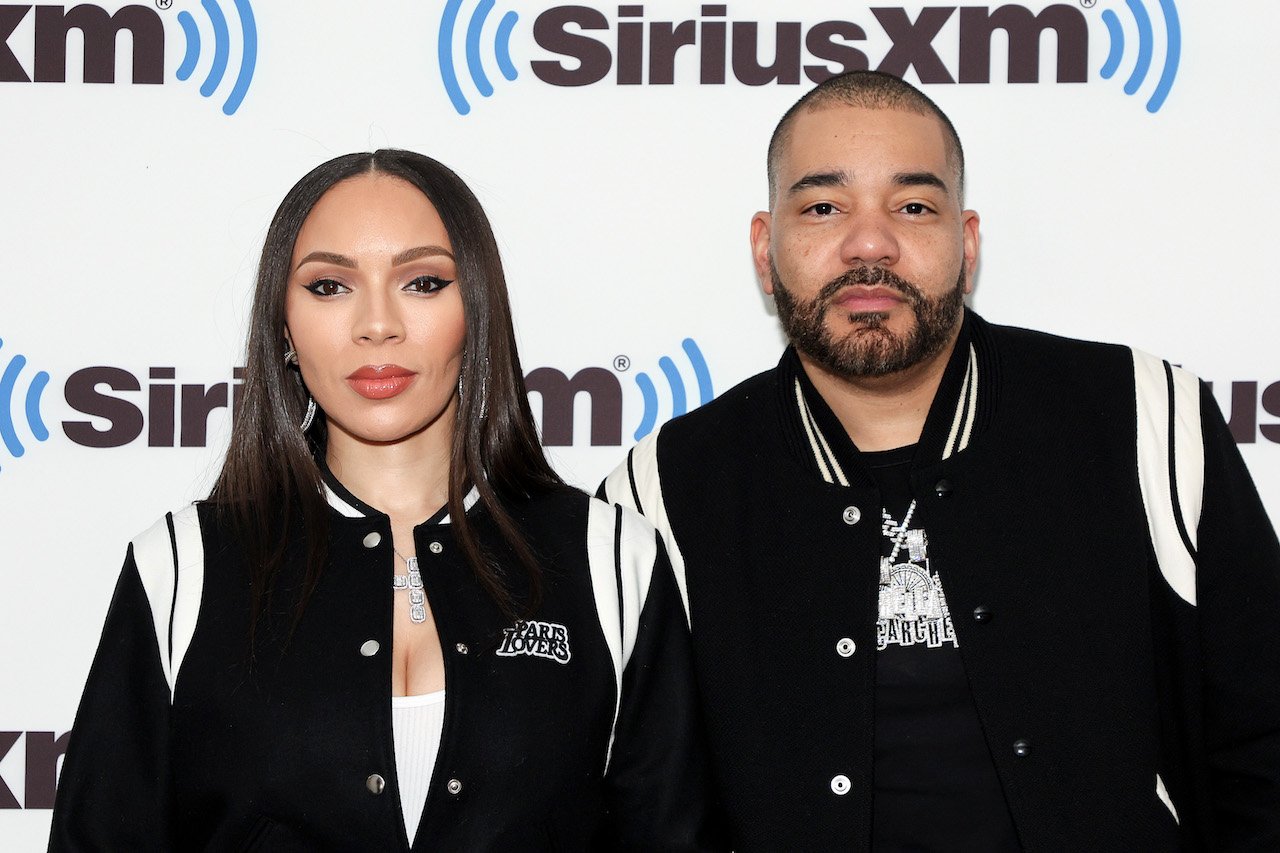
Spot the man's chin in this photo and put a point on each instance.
(873, 319)
(880, 324)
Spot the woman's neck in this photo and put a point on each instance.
(407, 479)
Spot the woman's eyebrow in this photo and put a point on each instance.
(420, 252)
(328, 258)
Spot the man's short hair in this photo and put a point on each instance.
(872, 90)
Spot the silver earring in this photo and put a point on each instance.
(484, 387)
(310, 416)
(291, 358)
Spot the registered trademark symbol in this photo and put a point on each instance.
(163, 4)
(1088, 4)
(621, 363)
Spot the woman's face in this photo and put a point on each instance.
(374, 312)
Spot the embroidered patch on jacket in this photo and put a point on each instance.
(536, 639)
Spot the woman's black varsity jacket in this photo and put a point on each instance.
(573, 730)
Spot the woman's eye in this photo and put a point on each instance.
(326, 287)
(428, 284)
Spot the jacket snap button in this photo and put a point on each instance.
(851, 515)
(1022, 747)
(454, 786)
(840, 785)
(462, 648)
(846, 647)
(369, 648)
(375, 784)
(435, 547)
(943, 488)
(372, 540)
(982, 613)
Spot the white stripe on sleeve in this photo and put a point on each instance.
(640, 477)
(1170, 466)
(174, 586)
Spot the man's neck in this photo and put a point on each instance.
(882, 412)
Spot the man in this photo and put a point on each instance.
(955, 586)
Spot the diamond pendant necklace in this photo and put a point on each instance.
(896, 533)
(412, 582)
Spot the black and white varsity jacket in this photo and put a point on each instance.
(574, 730)
(1112, 576)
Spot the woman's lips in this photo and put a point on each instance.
(380, 381)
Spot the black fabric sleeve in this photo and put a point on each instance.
(658, 790)
(1238, 598)
(113, 790)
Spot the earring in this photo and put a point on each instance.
(484, 388)
(291, 358)
(310, 416)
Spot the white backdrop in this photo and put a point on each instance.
(132, 214)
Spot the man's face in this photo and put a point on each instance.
(866, 251)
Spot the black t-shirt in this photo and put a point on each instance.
(936, 788)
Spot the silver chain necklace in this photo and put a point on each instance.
(896, 533)
(412, 582)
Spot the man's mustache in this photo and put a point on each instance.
(869, 276)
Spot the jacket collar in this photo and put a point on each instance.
(346, 504)
(962, 408)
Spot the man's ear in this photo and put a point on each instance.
(761, 229)
(972, 244)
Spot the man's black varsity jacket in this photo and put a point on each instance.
(1112, 576)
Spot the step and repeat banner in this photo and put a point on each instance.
(1121, 153)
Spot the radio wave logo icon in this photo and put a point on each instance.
(501, 41)
(1146, 44)
(30, 407)
(679, 398)
(217, 23)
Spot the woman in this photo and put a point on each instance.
(391, 626)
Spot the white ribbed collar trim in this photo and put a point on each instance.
(345, 508)
(342, 507)
(961, 425)
(966, 410)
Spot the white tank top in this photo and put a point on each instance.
(416, 724)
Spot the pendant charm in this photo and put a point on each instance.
(413, 583)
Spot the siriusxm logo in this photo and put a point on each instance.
(43, 750)
(28, 407)
(583, 45)
(603, 390)
(109, 407)
(99, 30)
(217, 22)
(501, 40)
(1146, 43)
(1241, 407)
(114, 407)
(679, 400)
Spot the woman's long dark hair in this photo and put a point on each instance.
(271, 473)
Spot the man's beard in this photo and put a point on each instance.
(869, 348)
